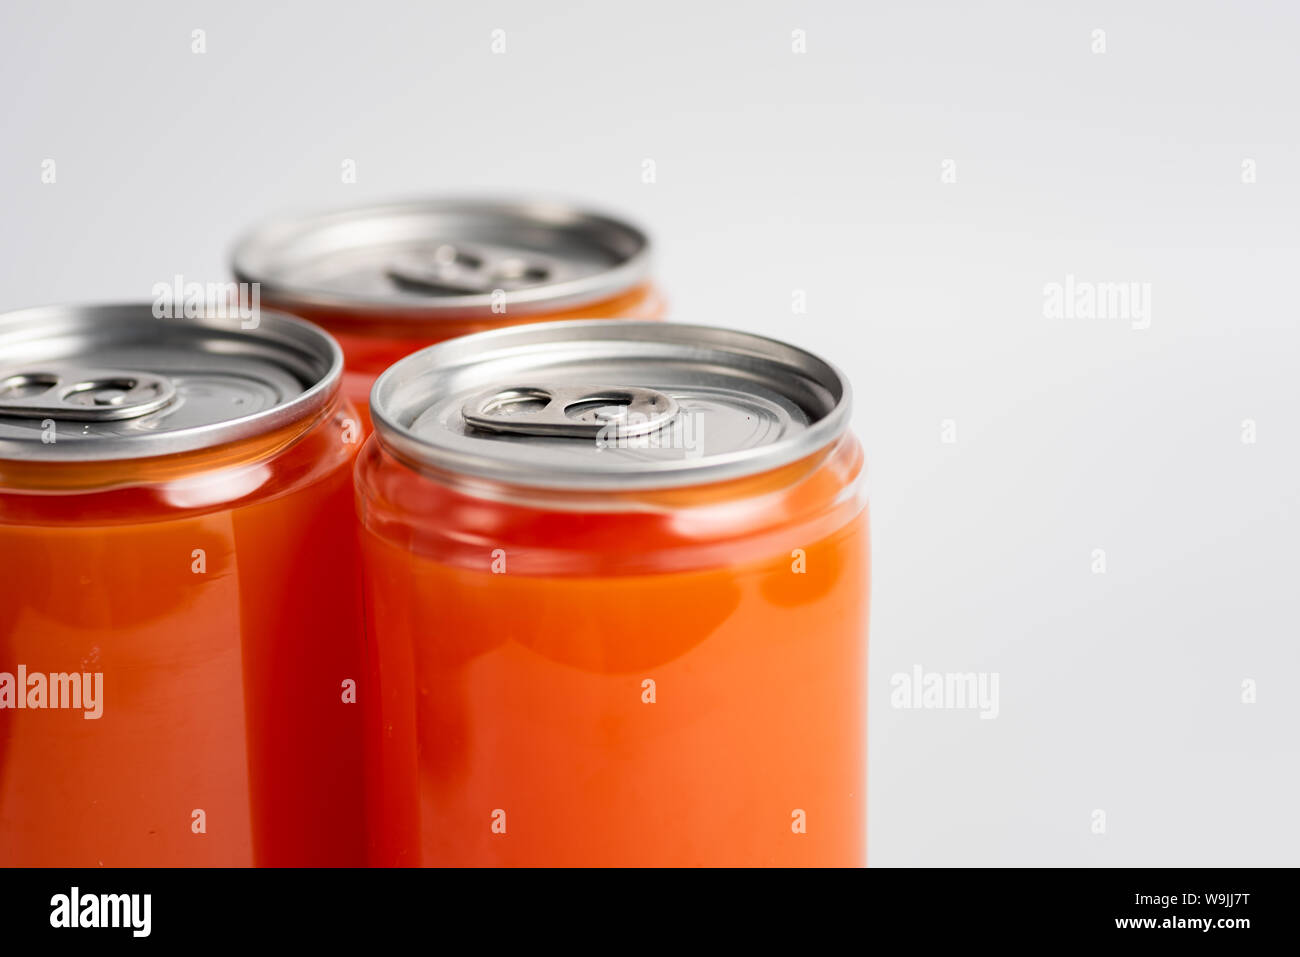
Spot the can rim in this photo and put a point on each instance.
(250, 261)
(736, 464)
(286, 328)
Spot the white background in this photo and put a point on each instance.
(820, 172)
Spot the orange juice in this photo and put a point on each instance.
(389, 280)
(616, 598)
(177, 542)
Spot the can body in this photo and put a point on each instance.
(648, 677)
(209, 599)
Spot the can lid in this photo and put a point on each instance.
(101, 382)
(609, 404)
(446, 258)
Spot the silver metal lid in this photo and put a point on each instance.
(91, 383)
(609, 404)
(446, 258)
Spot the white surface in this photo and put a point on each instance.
(821, 172)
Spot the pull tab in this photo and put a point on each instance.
(589, 412)
(93, 395)
(465, 269)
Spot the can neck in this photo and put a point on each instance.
(544, 532)
(845, 453)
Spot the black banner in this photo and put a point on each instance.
(147, 907)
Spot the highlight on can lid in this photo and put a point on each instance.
(446, 257)
(118, 383)
(609, 404)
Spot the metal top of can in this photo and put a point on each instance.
(102, 382)
(609, 404)
(446, 258)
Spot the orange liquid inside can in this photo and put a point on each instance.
(208, 594)
(664, 675)
(387, 281)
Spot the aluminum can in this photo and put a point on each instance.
(179, 618)
(616, 585)
(391, 279)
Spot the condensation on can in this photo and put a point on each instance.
(590, 648)
(177, 528)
